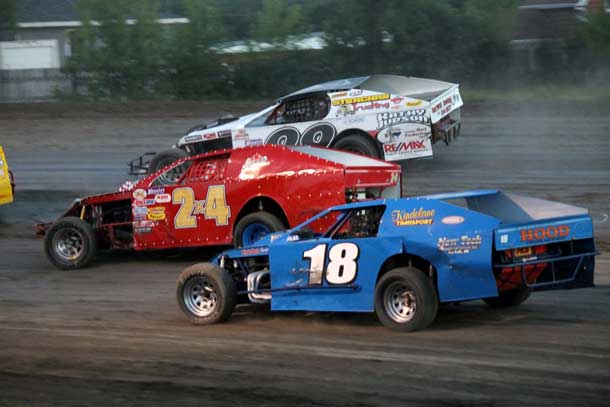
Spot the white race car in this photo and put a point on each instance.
(382, 116)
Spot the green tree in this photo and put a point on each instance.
(596, 34)
(119, 47)
(277, 20)
(8, 18)
(194, 67)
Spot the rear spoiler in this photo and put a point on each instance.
(445, 103)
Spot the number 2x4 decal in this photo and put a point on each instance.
(213, 207)
(342, 265)
(320, 134)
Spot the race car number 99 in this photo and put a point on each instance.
(342, 265)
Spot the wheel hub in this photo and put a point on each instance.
(68, 243)
(200, 296)
(400, 302)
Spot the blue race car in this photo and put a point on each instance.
(400, 258)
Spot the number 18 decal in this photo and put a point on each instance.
(342, 265)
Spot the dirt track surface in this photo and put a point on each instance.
(112, 334)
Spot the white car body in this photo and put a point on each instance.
(404, 116)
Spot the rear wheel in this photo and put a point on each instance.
(358, 144)
(255, 226)
(165, 158)
(406, 300)
(510, 298)
(206, 294)
(70, 243)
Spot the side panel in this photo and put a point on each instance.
(327, 263)
(458, 242)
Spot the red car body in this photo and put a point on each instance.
(214, 192)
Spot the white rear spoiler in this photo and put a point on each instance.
(445, 103)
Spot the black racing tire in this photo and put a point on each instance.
(165, 158)
(201, 280)
(359, 144)
(412, 285)
(70, 243)
(265, 219)
(510, 298)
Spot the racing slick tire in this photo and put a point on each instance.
(406, 299)
(70, 243)
(165, 158)
(358, 144)
(254, 226)
(206, 294)
(510, 298)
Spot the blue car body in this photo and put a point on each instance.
(462, 239)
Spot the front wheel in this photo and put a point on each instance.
(254, 227)
(206, 294)
(510, 298)
(70, 243)
(406, 300)
(359, 144)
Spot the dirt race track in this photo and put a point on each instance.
(112, 334)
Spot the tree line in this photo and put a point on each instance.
(122, 50)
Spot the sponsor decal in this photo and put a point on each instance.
(255, 250)
(452, 220)
(350, 120)
(156, 213)
(414, 103)
(241, 134)
(156, 191)
(462, 245)
(141, 231)
(253, 165)
(163, 198)
(416, 217)
(346, 110)
(144, 224)
(411, 146)
(404, 132)
(209, 136)
(138, 203)
(274, 236)
(140, 210)
(292, 238)
(139, 194)
(408, 116)
(192, 137)
(444, 106)
(150, 202)
(397, 99)
(139, 216)
(224, 133)
(544, 233)
(361, 99)
(257, 142)
(355, 92)
(337, 95)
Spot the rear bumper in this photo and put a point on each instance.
(570, 271)
(140, 165)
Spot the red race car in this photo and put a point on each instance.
(219, 198)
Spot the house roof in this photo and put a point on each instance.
(547, 19)
(58, 13)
